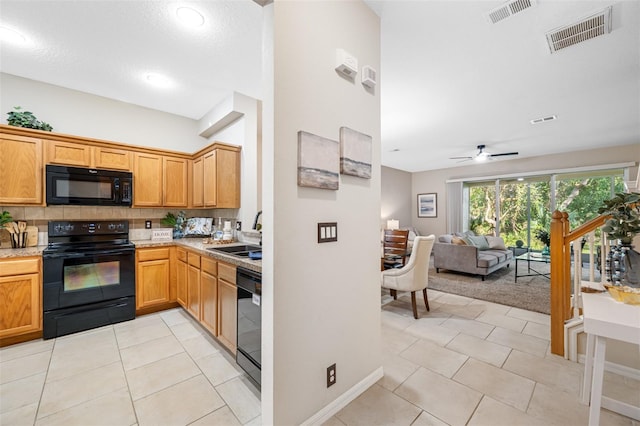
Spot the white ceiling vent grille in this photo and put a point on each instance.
(509, 9)
(587, 28)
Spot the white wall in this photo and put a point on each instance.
(82, 114)
(246, 132)
(434, 180)
(396, 197)
(323, 299)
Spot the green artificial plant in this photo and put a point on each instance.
(624, 223)
(26, 119)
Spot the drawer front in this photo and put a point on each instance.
(193, 259)
(227, 272)
(210, 266)
(20, 267)
(153, 254)
(181, 254)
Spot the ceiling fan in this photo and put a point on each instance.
(482, 155)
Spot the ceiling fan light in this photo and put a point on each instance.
(481, 157)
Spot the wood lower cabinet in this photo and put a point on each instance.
(227, 305)
(181, 276)
(20, 296)
(209, 294)
(20, 170)
(193, 284)
(152, 277)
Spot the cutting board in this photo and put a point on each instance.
(32, 236)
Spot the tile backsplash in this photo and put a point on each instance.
(40, 216)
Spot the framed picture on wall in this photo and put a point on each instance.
(428, 205)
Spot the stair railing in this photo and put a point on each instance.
(561, 300)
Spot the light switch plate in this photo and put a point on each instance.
(327, 232)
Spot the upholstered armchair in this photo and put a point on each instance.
(414, 276)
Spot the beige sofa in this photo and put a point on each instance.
(471, 254)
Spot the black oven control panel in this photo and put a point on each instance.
(70, 228)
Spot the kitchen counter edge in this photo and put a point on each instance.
(201, 248)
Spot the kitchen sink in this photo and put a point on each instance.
(241, 251)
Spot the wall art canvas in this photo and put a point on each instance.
(355, 153)
(318, 161)
(427, 205)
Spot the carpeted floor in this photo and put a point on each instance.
(530, 293)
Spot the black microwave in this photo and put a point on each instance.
(79, 186)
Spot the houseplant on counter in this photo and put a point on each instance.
(622, 226)
(175, 222)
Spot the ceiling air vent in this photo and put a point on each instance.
(587, 28)
(508, 9)
(544, 119)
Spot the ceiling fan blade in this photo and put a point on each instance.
(460, 158)
(503, 154)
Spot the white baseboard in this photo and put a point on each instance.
(343, 400)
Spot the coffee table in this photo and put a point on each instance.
(532, 257)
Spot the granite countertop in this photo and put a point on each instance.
(194, 244)
(7, 253)
(197, 245)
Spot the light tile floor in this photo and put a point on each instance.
(470, 362)
(159, 369)
(465, 362)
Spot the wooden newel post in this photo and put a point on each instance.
(560, 292)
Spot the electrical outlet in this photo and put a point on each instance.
(238, 225)
(331, 375)
(147, 224)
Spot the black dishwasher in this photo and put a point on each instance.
(249, 284)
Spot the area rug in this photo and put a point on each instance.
(530, 293)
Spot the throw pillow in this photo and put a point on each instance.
(496, 243)
(480, 241)
(458, 241)
(446, 238)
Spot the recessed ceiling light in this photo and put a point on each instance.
(12, 36)
(189, 16)
(157, 80)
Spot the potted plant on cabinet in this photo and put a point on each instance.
(543, 236)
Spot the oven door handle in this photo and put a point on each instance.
(77, 255)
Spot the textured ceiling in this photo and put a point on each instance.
(449, 79)
(106, 47)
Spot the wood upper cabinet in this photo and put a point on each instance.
(68, 154)
(210, 179)
(20, 296)
(159, 181)
(227, 305)
(152, 277)
(175, 188)
(227, 178)
(216, 179)
(82, 155)
(197, 181)
(112, 158)
(147, 180)
(20, 170)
